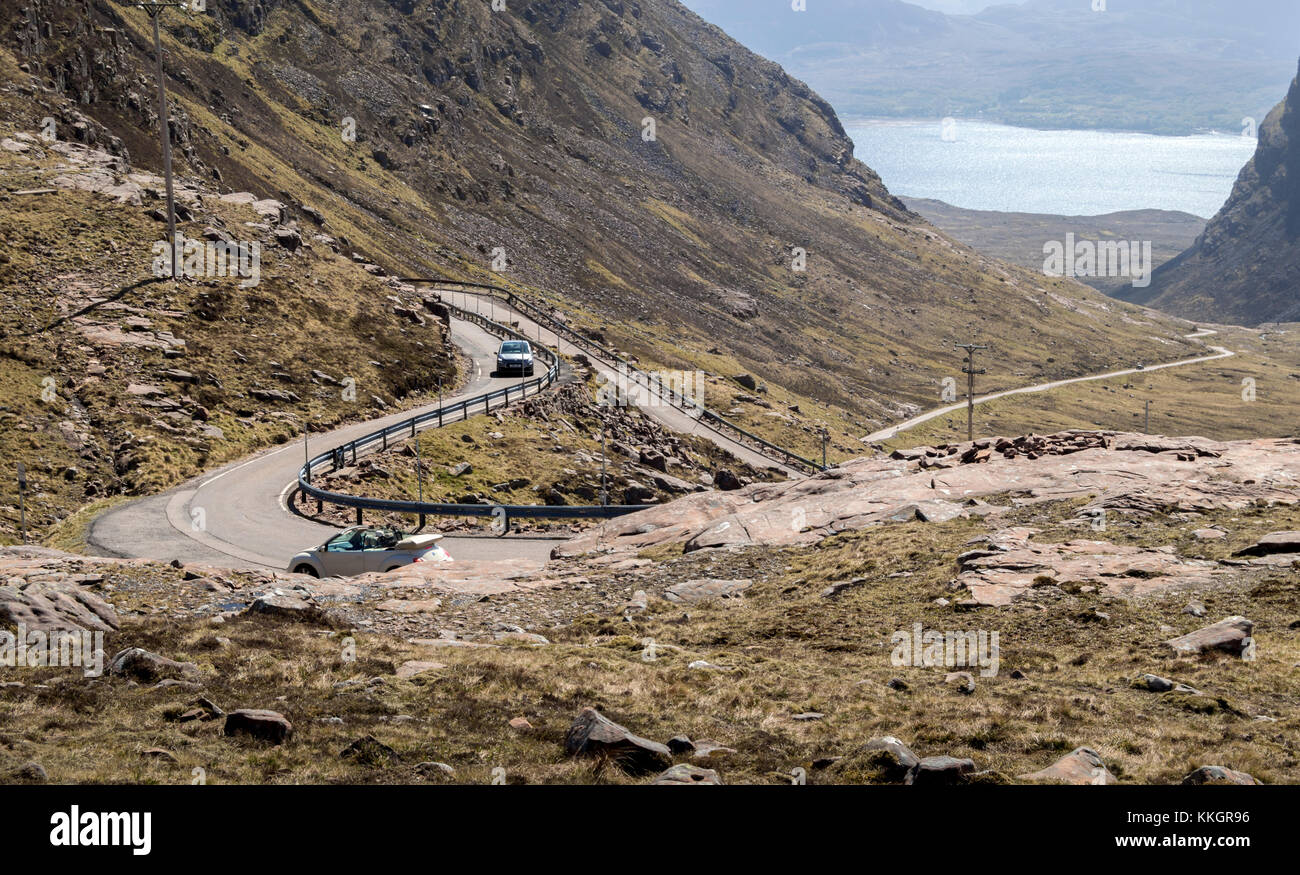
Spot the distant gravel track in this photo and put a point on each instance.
(892, 431)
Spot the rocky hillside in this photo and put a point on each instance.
(119, 382)
(1245, 267)
(625, 159)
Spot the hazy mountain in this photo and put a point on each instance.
(1167, 66)
(955, 7)
(1245, 267)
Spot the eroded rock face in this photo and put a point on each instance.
(49, 591)
(1014, 567)
(1130, 474)
(706, 589)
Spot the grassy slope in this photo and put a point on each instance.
(1204, 399)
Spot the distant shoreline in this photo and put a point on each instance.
(981, 165)
(851, 121)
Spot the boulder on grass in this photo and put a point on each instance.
(1219, 775)
(941, 771)
(1273, 543)
(883, 760)
(264, 725)
(594, 735)
(684, 775)
(140, 665)
(1231, 635)
(1083, 765)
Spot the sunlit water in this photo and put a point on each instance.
(1075, 173)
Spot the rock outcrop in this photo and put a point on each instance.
(1012, 568)
(1130, 475)
(41, 592)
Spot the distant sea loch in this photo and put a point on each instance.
(982, 166)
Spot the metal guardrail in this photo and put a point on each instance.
(338, 457)
(710, 417)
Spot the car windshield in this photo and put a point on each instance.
(513, 347)
(364, 539)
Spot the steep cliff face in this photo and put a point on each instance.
(622, 157)
(1245, 267)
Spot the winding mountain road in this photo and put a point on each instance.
(237, 517)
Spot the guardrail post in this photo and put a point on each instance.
(320, 507)
(384, 434)
(358, 516)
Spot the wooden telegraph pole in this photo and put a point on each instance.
(154, 8)
(970, 371)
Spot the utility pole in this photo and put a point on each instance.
(22, 499)
(825, 436)
(419, 477)
(1146, 429)
(154, 8)
(970, 371)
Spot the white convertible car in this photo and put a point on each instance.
(367, 548)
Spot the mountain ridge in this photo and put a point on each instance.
(1166, 66)
(1243, 268)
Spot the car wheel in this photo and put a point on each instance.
(306, 569)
